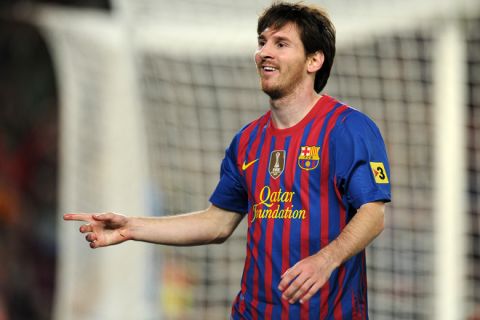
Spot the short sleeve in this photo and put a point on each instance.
(362, 171)
(230, 193)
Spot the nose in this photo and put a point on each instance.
(263, 53)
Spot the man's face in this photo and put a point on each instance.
(281, 60)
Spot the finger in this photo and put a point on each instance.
(91, 237)
(77, 217)
(86, 228)
(302, 290)
(97, 244)
(288, 277)
(104, 216)
(313, 289)
(285, 273)
(294, 287)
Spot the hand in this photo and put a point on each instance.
(305, 278)
(102, 229)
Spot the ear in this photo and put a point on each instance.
(315, 61)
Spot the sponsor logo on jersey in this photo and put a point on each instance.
(379, 172)
(309, 157)
(276, 205)
(277, 163)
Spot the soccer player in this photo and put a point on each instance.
(311, 176)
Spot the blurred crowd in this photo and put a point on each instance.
(29, 114)
(28, 173)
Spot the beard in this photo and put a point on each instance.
(283, 88)
(284, 83)
(274, 93)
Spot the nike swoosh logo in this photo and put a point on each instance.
(246, 165)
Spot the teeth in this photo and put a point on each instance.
(269, 68)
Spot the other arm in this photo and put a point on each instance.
(306, 277)
(212, 225)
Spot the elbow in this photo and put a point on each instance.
(221, 237)
(381, 222)
(222, 224)
(381, 226)
(218, 240)
(375, 213)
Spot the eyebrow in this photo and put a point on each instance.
(278, 38)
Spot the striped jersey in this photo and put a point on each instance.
(299, 187)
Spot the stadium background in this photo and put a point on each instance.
(128, 106)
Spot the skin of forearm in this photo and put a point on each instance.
(365, 226)
(197, 228)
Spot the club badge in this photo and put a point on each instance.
(309, 157)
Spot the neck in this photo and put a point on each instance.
(289, 110)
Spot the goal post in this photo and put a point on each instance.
(102, 168)
(450, 92)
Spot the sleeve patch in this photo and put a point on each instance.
(379, 172)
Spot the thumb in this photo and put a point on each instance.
(104, 216)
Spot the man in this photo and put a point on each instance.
(311, 175)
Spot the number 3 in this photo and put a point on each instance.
(382, 174)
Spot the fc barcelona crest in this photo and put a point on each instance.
(277, 163)
(309, 157)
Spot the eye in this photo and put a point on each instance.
(261, 43)
(282, 44)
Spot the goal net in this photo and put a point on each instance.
(183, 81)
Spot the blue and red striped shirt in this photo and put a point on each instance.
(299, 187)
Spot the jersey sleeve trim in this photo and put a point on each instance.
(377, 196)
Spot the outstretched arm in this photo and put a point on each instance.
(306, 277)
(212, 225)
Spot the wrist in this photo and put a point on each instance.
(128, 231)
(331, 254)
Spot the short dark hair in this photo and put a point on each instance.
(316, 32)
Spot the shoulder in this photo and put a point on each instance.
(345, 115)
(355, 122)
(252, 126)
(242, 137)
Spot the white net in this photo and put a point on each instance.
(195, 84)
(390, 79)
(194, 106)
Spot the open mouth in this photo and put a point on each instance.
(268, 69)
